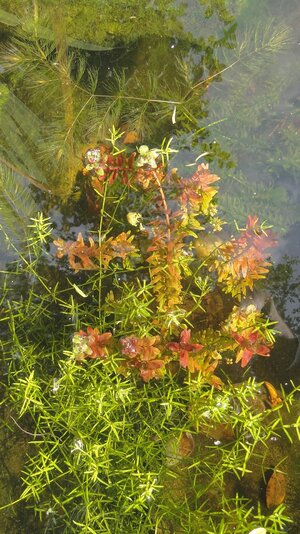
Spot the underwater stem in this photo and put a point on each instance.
(164, 202)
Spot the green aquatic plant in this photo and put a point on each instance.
(116, 371)
(116, 352)
(21, 132)
(64, 94)
(17, 205)
(77, 103)
(93, 25)
(268, 136)
(58, 86)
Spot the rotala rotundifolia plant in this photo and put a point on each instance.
(174, 257)
(117, 349)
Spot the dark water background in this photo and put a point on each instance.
(247, 118)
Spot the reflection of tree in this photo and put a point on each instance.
(74, 78)
(262, 124)
(79, 95)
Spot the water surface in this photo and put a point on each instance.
(221, 78)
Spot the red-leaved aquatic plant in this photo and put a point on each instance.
(184, 347)
(91, 344)
(250, 345)
(143, 355)
(242, 260)
(162, 243)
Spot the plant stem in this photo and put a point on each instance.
(164, 202)
(100, 254)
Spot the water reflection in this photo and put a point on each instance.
(220, 77)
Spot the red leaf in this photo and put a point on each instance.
(142, 355)
(203, 177)
(91, 344)
(251, 345)
(184, 347)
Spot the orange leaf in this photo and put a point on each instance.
(186, 444)
(274, 398)
(131, 138)
(276, 489)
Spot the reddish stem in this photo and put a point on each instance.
(164, 202)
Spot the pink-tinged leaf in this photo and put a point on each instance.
(91, 344)
(184, 358)
(185, 336)
(246, 357)
(174, 347)
(184, 347)
(142, 355)
(250, 346)
(151, 370)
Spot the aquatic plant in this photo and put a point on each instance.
(119, 365)
(268, 136)
(46, 64)
(117, 352)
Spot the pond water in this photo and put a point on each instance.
(219, 77)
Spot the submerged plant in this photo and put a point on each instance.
(119, 378)
(163, 249)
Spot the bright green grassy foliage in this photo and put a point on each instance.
(105, 450)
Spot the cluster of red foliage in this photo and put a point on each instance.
(184, 347)
(79, 254)
(247, 334)
(91, 344)
(242, 260)
(89, 257)
(141, 354)
(250, 345)
(237, 262)
(196, 192)
(100, 164)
